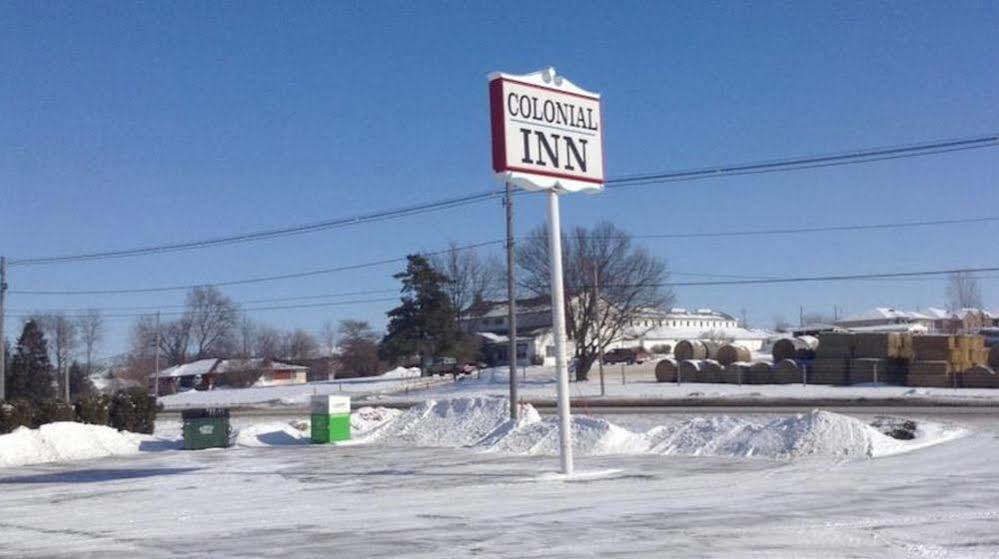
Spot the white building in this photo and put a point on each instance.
(658, 328)
(885, 319)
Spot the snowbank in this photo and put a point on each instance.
(66, 440)
(483, 424)
(274, 433)
(402, 372)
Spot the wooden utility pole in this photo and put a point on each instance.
(3, 309)
(596, 327)
(156, 359)
(511, 303)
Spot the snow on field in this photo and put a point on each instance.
(64, 440)
(398, 380)
(639, 383)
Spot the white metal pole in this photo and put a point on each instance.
(558, 324)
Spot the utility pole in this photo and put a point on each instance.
(156, 359)
(801, 317)
(511, 303)
(3, 345)
(596, 326)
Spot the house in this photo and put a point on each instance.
(535, 340)
(206, 374)
(652, 329)
(933, 320)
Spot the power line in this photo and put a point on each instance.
(787, 164)
(260, 279)
(811, 162)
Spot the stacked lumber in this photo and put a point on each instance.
(690, 370)
(787, 371)
(666, 370)
(980, 376)
(737, 373)
(801, 348)
(936, 373)
(878, 345)
(760, 372)
(829, 370)
(731, 353)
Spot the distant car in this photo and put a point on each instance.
(450, 366)
(626, 355)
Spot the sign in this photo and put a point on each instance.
(547, 132)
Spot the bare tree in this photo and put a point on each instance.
(213, 318)
(631, 282)
(328, 337)
(299, 344)
(90, 326)
(247, 336)
(62, 334)
(470, 277)
(268, 342)
(781, 324)
(359, 350)
(963, 292)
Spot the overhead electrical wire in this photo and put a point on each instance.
(787, 164)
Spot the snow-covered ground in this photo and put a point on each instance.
(639, 383)
(455, 478)
(297, 395)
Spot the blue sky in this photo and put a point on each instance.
(128, 124)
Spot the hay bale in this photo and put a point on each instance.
(730, 353)
(689, 370)
(877, 345)
(802, 347)
(760, 372)
(711, 348)
(931, 347)
(690, 349)
(787, 371)
(666, 370)
(835, 345)
(994, 356)
(980, 377)
(712, 371)
(737, 373)
(829, 371)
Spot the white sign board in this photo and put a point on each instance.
(547, 132)
(330, 405)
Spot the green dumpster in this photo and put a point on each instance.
(330, 419)
(206, 428)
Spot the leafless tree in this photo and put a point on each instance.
(470, 277)
(268, 342)
(781, 324)
(328, 338)
(247, 336)
(299, 344)
(631, 282)
(63, 341)
(963, 292)
(213, 318)
(359, 350)
(90, 326)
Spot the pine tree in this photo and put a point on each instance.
(31, 373)
(79, 382)
(424, 324)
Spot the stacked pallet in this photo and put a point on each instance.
(832, 359)
(666, 370)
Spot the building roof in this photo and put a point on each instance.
(492, 309)
(223, 366)
(667, 333)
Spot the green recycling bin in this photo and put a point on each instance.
(206, 428)
(330, 419)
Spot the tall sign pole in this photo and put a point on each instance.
(548, 135)
(511, 303)
(3, 310)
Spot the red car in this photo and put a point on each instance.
(626, 355)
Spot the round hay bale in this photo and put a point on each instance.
(712, 371)
(690, 349)
(711, 348)
(666, 370)
(760, 372)
(802, 347)
(730, 353)
(737, 373)
(690, 370)
(787, 371)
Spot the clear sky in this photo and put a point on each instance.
(134, 123)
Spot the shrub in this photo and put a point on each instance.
(133, 410)
(94, 409)
(16, 413)
(50, 411)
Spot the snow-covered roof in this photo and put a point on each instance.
(891, 328)
(667, 333)
(885, 313)
(222, 366)
(194, 368)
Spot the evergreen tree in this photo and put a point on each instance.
(30, 373)
(424, 324)
(79, 382)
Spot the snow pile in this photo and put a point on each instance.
(483, 424)
(274, 433)
(64, 440)
(818, 433)
(402, 372)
